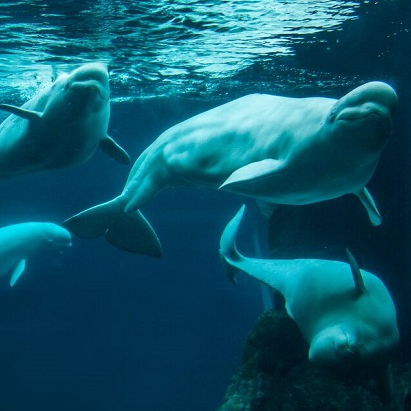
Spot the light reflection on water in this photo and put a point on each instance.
(172, 46)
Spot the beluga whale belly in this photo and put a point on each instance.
(277, 149)
(61, 126)
(346, 315)
(20, 242)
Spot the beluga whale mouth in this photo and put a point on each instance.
(369, 114)
(87, 87)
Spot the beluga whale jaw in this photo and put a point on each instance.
(280, 150)
(346, 315)
(61, 126)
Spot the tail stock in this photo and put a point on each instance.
(228, 248)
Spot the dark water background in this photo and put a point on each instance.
(97, 328)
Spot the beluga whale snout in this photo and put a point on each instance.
(61, 126)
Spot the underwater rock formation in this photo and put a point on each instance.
(275, 375)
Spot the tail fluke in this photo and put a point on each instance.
(95, 221)
(228, 249)
(132, 232)
(127, 231)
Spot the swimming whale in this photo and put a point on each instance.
(278, 149)
(60, 127)
(346, 315)
(19, 242)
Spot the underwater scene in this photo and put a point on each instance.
(205, 205)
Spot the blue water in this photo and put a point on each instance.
(97, 328)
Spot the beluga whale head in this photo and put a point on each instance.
(351, 353)
(363, 117)
(19, 243)
(55, 235)
(86, 87)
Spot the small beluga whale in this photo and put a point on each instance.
(61, 126)
(20, 242)
(346, 315)
(280, 150)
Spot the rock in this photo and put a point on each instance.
(275, 375)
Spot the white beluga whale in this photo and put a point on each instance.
(277, 149)
(61, 126)
(20, 242)
(346, 315)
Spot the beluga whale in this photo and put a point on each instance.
(61, 126)
(346, 315)
(20, 242)
(277, 149)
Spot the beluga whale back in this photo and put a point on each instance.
(346, 315)
(60, 127)
(277, 149)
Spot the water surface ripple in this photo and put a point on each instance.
(153, 48)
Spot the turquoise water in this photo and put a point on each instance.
(98, 328)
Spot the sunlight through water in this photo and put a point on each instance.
(155, 47)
